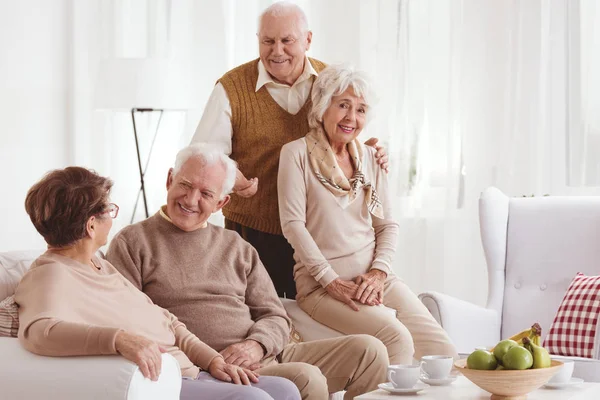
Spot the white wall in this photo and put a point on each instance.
(49, 51)
(33, 102)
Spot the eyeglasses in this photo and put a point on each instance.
(112, 210)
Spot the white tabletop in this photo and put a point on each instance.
(462, 389)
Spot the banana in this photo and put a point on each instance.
(523, 334)
(541, 358)
(534, 333)
(518, 337)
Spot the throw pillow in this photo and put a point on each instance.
(9, 317)
(573, 332)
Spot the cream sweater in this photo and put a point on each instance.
(67, 308)
(331, 237)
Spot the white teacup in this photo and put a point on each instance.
(403, 376)
(565, 372)
(436, 367)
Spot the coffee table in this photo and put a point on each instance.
(463, 388)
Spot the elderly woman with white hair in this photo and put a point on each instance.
(336, 213)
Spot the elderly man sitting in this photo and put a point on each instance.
(215, 283)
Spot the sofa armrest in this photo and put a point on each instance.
(28, 376)
(467, 324)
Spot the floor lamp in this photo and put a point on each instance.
(139, 86)
(143, 170)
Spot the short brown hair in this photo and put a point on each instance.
(61, 203)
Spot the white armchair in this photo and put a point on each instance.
(26, 376)
(533, 247)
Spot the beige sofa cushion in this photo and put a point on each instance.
(13, 266)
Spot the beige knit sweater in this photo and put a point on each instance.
(210, 278)
(332, 237)
(67, 308)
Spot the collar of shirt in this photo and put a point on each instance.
(264, 77)
(163, 213)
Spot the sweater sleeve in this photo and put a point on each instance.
(120, 256)
(42, 294)
(386, 228)
(196, 350)
(291, 187)
(271, 326)
(53, 337)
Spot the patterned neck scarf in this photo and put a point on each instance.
(329, 173)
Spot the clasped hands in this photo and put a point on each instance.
(236, 365)
(239, 362)
(366, 289)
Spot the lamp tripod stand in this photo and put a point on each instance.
(143, 170)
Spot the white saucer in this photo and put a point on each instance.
(388, 387)
(438, 382)
(572, 382)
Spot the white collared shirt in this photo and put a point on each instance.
(215, 124)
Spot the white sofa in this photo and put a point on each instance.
(533, 246)
(27, 376)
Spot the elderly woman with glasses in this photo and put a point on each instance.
(71, 301)
(336, 212)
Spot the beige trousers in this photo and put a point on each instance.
(356, 363)
(413, 333)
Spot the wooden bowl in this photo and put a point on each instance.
(509, 384)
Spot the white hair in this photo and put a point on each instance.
(333, 81)
(285, 8)
(210, 155)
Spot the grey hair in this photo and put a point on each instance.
(333, 81)
(211, 155)
(282, 8)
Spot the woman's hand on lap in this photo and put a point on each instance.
(343, 291)
(370, 287)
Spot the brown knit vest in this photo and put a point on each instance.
(260, 128)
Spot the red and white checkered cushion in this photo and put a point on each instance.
(573, 332)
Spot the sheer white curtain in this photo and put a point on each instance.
(471, 94)
(583, 19)
(475, 95)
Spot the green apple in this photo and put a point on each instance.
(482, 359)
(502, 347)
(517, 358)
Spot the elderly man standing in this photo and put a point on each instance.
(252, 112)
(215, 283)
